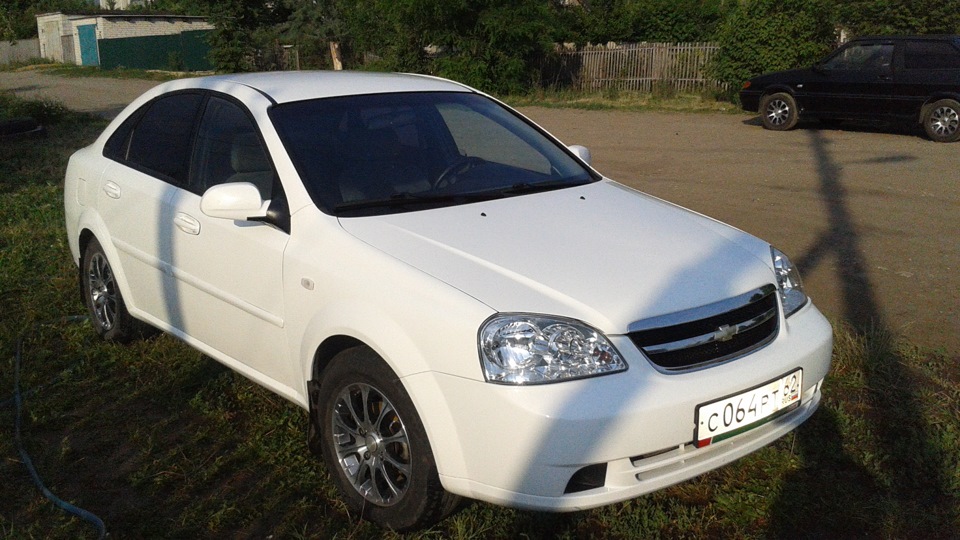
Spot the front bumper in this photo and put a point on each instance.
(750, 100)
(520, 446)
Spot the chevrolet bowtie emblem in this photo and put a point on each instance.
(725, 333)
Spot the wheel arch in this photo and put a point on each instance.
(390, 340)
(786, 89)
(90, 228)
(933, 98)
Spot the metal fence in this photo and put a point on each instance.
(641, 67)
(19, 51)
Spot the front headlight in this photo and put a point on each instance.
(788, 282)
(534, 349)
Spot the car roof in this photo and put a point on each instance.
(289, 86)
(930, 37)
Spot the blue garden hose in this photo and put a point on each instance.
(28, 463)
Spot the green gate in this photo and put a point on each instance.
(187, 51)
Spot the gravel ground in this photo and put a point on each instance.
(870, 214)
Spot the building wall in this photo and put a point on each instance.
(51, 29)
(19, 51)
(76, 22)
(60, 41)
(140, 27)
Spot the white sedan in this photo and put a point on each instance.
(464, 306)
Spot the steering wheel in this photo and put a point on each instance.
(458, 167)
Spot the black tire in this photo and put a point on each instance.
(941, 120)
(388, 457)
(779, 111)
(101, 294)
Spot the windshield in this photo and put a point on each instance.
(385, 153)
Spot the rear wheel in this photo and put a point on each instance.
(941, 120)
(779, 111)
(101, 294)
(375, 446)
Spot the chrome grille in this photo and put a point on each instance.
(709, 334)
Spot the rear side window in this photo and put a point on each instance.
(931, 55)
(158, 140)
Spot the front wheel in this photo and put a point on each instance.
(779, 111)
(941, 120)
(375, 446)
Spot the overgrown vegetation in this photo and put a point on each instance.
(772, 35)
(501, 46)
(161, 442)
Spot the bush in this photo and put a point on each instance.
(760, 36)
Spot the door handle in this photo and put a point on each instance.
(112, 190)
(187, 224)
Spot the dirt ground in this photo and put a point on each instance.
(870, 214)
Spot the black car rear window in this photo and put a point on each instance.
(931, 55)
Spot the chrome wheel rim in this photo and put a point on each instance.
(944, 121)
(371, 443)
(103, 291)
(777, 112)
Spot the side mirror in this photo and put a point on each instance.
(238, 201)
(581, 152)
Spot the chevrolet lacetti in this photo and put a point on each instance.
(462, 304)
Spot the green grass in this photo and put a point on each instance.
(160, 441)
(614, 100)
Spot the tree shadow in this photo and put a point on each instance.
(904, 492)
(851, 126)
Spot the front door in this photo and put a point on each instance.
(230, 272)
(857, 81)
(89, 55)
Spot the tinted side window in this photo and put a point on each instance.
(862, 56)
(161, 142)
(931, 55)
(228, 149)
(119, 142)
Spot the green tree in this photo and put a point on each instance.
(771, 35)
(312, 25)
(867, 17)
(243, 30)
(494, 45)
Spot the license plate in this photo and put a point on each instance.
(733, 415)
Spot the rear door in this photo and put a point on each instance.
(930, 67)
(150, 156)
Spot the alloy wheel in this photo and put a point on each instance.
(778, 111)
(371, 443)
(944, 121)
(103, 291)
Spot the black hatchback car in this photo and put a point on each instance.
(903, 78)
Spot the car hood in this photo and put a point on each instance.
(789, 76)
(601, 253)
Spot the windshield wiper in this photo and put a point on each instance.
(536, 187)
(408, 199)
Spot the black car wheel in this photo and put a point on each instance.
(101, 294)
(778, 111)
(375, 446)
(941, 120)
